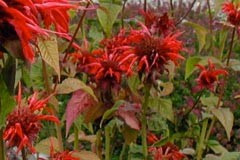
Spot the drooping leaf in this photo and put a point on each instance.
(231, 156)
(191, 65)
(210, 101)
(163, 106)
(107, 14)
(70, 85)
(111, 111)
(128, 112)
(26, 76)
(78, 103)
(49, 52)
(216, 147)
(44, 145)
(7, 102)
(226, 118)
(201, 33)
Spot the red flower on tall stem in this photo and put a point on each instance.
(153, 52)
(232, 12)
(24, 123)
(208, 77)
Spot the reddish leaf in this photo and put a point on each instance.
(79, 102)
(128, 113)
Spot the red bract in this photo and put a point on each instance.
(233, 13)
(167, 152)
(158, 24)
(24, 123)
(153, 52)
(209, 76)
(21, 20)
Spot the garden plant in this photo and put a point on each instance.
(119, 80)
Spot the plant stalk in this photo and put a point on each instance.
(186, 14)
(2, 150)
(144, 124)
(145, 6)
(201, 144)
(122, 15)
(123, 151)
(48, 89)
(107, 143)
(75, 33)
(76, 140)
(225, 79)
(24, 156)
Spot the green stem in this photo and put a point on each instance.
(145, 6)
(76, 140)
(107, 143)
(144, 124)
(2, 152)
(99, 143)
(201, 144)
(24, 156)
(225, 79)
(123, 152)
(48, 89)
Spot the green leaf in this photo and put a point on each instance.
(231, 156)
(70, 85)
(26, 76)
(107, 14)
(201, 33)
(190, 65)
(234, 64)
(216, 147)
(109, 112)
(133, 83)
(49, 52)
(225, 116)
(210, 101)
(7, 102)
(163, 106)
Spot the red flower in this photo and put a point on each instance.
(21, 20)
(151, 138)
(209, 76)
(153, 52)
(158, 24)
(24, 123)
(167, 152)
(233, 13)
(106, 68)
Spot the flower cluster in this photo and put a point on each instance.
(135, 50)
(22, 19)
(24, 123)
(232, 12)
(208, 77)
